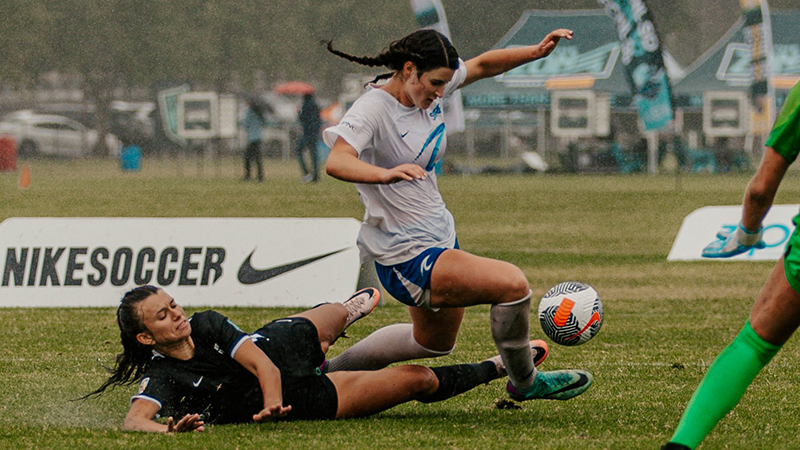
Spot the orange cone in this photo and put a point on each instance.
(25, 177)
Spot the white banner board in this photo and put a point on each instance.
(75, 262)
(701, 226)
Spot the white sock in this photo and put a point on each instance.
(390, 344)
(511, 333)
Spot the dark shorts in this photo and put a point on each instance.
(293, 346)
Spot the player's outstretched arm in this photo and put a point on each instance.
(269, 377)
(140, 418)
(495, 62)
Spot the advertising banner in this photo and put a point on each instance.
(75, 262)
(430, 14)
(758, 34)
(644, 62)
(701, 227)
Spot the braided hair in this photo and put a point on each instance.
(427, 49)
(132, 362)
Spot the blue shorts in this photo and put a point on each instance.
(410, 281)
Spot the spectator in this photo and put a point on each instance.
(311, 122)
(254, 124)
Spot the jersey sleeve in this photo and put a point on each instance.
(459, 76)
(157, 387)
(221, 329)
(358, 126)
(785, 135)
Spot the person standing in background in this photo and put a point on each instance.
(311, 122)
(253, 124)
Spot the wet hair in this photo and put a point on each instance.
(132, 362)
(427, 49)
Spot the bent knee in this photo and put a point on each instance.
(516, 286)
(424, 383)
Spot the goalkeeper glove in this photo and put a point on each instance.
(734, 243)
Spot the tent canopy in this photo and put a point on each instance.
(726, 65)
(591, 60)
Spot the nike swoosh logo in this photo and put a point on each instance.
(197, 383)
(404, 134)
(249, 275)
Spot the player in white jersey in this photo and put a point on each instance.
(388, 144)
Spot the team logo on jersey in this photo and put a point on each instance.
(436, 111)
(143, 385)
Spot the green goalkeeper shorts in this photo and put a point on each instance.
(791, 257)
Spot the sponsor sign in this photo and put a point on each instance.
(566, 60)
(168, 111)
(74, 262)
(701, 227)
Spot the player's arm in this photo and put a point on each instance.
(495, 62)
(343, 164)
(141, 417)
(758, 198)
(269, 377)
(762, 188)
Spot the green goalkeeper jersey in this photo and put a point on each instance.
(785, 135)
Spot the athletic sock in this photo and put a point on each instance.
(385, 346)
(511, 333)
(455, 380)
(726, 381)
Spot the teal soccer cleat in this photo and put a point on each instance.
(555, 385)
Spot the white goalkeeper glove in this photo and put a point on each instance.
(735, 243)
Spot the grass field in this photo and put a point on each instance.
(665, 322)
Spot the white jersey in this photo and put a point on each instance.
(404, 218)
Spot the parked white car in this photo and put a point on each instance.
(40, 134)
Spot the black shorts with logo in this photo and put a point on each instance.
(293, 346)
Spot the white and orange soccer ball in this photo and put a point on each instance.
(571, 313)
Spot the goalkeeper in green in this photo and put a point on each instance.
(776, 313)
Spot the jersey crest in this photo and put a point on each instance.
(436, 111)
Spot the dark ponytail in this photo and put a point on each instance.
(427, 49)
(132, 362)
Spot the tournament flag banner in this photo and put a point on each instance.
(430, 14)
(643, 60)
(701, 226)
(77, 262)
(168, 112)
(758, 34)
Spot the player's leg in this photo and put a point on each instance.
(775, 316)
(463, 279)
(401, 342)
(331, 319)
(370, 392)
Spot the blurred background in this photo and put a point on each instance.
(85, 78)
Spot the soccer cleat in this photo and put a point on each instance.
(555, 385)
(674, 446)
(539, 349)
(360, 304)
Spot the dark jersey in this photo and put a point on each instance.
(212, 383)
(215, 385)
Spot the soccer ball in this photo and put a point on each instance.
(571, 313)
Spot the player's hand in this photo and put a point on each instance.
(550, 41)
(404, 172)
(189, 422)
(734, 243)
(272, 413)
